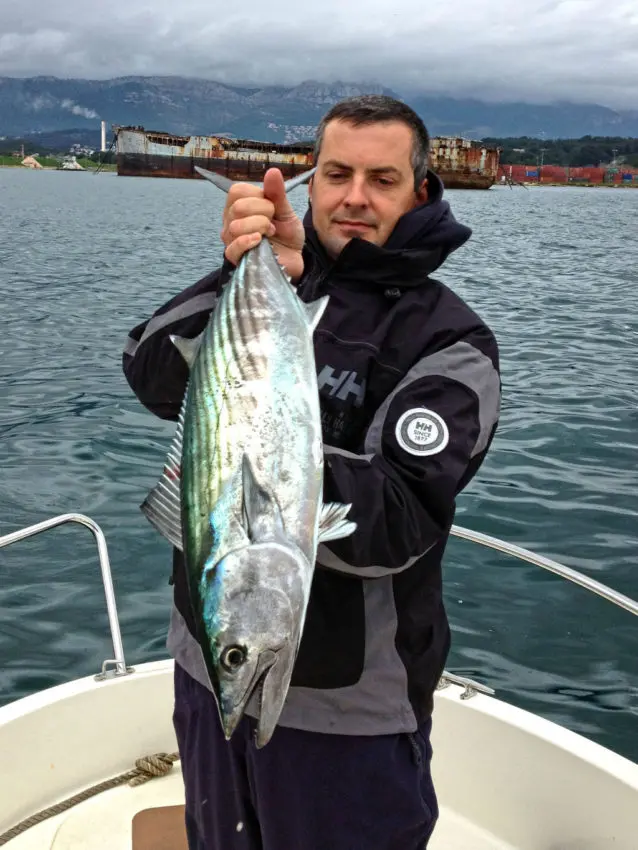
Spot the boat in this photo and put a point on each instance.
(70, 163)
(93, 763)
(460, 163)
(464, 163)
(150, 153)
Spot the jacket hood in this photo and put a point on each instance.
(420, 243)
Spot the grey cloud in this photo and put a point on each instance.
(583, 50)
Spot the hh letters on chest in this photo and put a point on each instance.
(351, 387)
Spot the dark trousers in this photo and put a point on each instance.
(303, 790)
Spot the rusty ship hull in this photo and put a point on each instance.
(460, 163)
(464, 163)
(145, 153)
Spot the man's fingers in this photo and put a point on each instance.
(243, 190)
(252, 213)
(251, 224)
(239, 193)
(239, 246)
(244, 207)
(275, 191)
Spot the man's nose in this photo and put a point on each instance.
(356, 195)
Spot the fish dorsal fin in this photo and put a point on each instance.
(261, 512)
(315, 310)
(188, 348)
(162, 506)
(333, 522)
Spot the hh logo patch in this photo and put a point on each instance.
(422, 432)
(342, 385)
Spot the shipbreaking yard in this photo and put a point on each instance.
(461, 163)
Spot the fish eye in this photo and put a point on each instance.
(233, 657)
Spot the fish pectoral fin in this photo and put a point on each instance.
(261, 511)
(314, 311)
(334, 523)
(188, 348)
(226, 526)
(162, 507)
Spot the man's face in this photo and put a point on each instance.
(363, 184)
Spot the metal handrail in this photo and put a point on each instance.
(118, 650)
(471, 687)
(546, 563)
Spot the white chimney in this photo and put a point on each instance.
(103, 136)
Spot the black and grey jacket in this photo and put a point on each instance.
(410, 393)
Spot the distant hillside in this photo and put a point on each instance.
(275, 113)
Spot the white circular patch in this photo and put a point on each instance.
(422, 432)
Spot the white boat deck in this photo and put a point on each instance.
(506, 779)
(106, 822)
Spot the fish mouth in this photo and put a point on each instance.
(233, 712)
(273, 690)
(269, 687)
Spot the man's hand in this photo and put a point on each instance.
(251, 213)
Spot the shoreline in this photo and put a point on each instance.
(112, 169)
(632, 185)
(105, 168)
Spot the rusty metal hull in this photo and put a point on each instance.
(461, 163)
(460, 180)
(149, 165)
(142, 153)
(464, 164)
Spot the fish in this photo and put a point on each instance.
(241, 491)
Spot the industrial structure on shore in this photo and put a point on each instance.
(612, 175)
(460, 163)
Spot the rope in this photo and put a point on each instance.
(145, 768)
(101, 163)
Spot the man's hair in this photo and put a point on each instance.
(373, 109)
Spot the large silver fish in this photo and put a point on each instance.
(241, 491)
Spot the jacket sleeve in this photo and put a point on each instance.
(154, 369)
(423, 446)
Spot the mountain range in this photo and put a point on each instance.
(182, 105)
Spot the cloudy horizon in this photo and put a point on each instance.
(583, 51)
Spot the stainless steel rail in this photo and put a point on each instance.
(547, 564)
(117, 664)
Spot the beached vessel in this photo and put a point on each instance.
(464, 163)
(146, 153)
(461, 163)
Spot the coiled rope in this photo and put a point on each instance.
(145, 768)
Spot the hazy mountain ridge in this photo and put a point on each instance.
(185, 106)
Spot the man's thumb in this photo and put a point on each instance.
(274, 191)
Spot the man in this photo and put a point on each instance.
(410, 391)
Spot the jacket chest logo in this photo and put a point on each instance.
(342, 385)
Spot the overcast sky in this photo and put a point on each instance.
(539, 50)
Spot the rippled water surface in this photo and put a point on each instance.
(84, 257)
